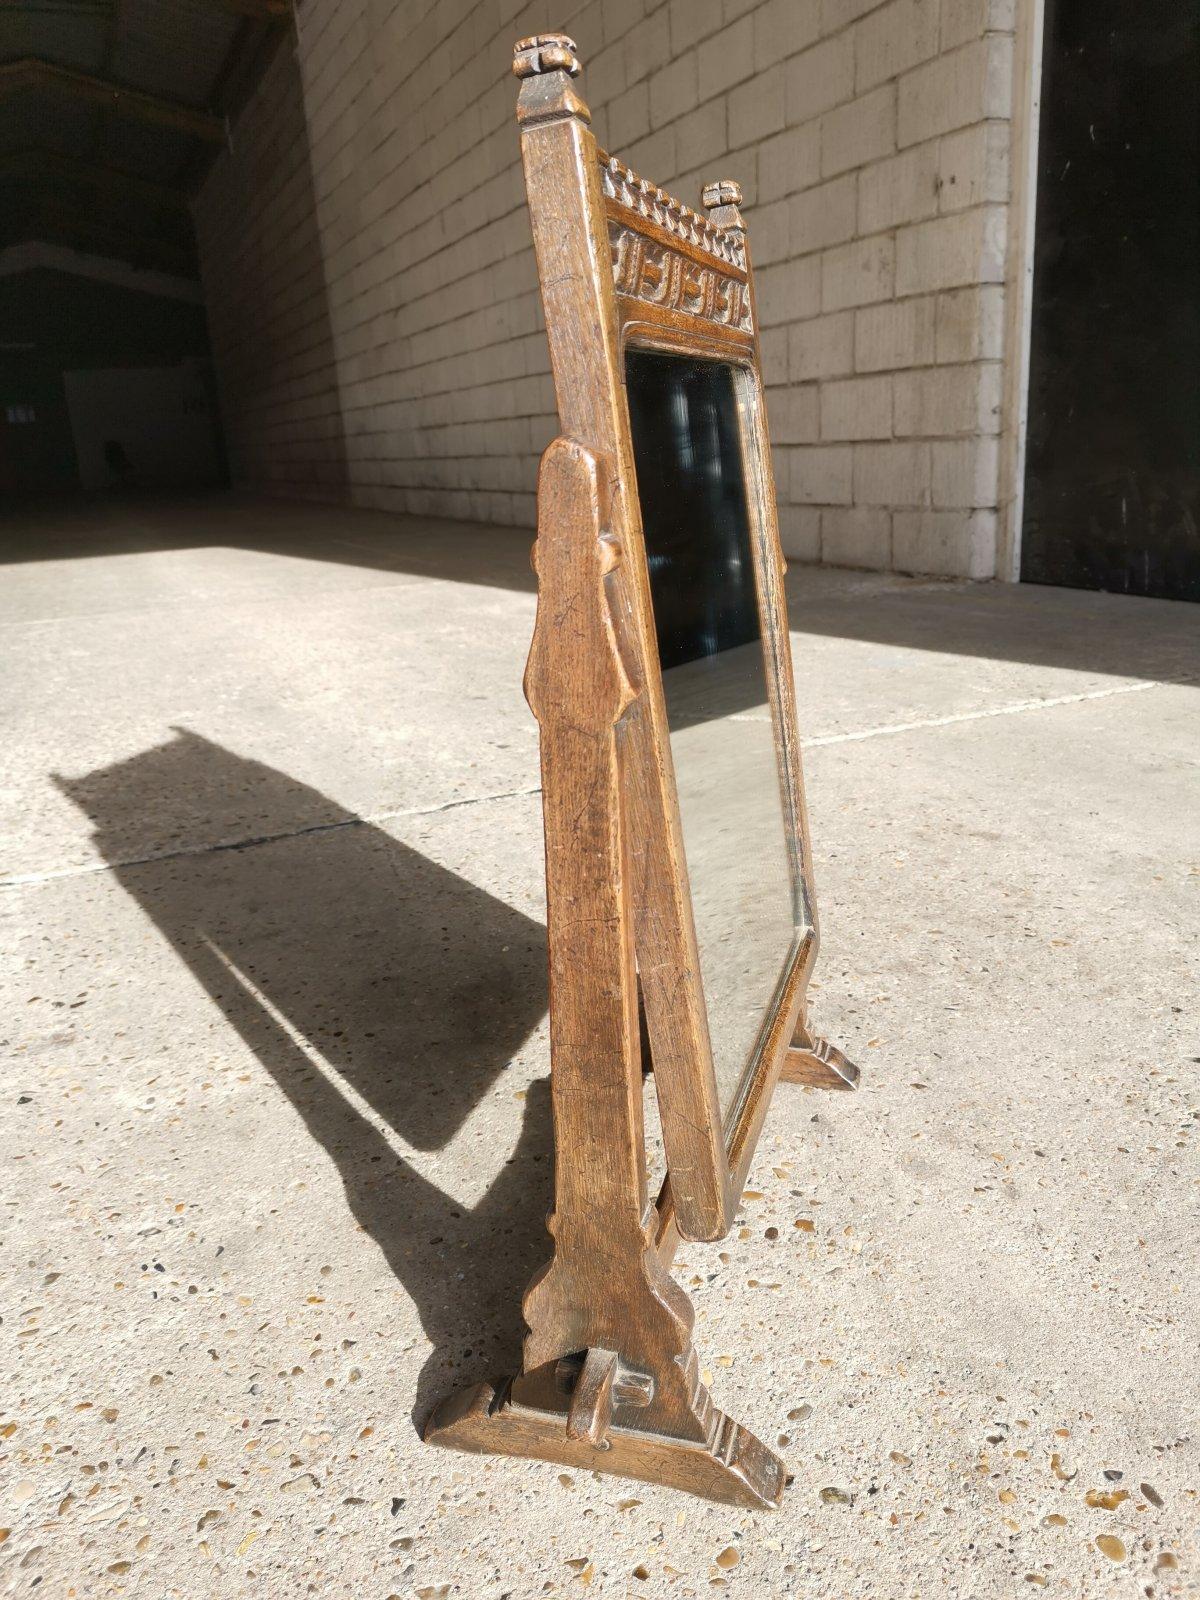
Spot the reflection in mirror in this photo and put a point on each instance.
(691, 486)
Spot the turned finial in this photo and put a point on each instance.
(546, 65)
(723, 193)
(721, 201)
(545, 52)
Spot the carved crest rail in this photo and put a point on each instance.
(669, 257)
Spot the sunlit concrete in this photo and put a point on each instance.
(276, 1123)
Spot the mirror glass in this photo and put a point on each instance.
(691, 486)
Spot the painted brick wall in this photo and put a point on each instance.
(871, 141)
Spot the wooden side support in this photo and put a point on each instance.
(611, 1381)
(736, 1468)
(592, 1396)
(817, 1064)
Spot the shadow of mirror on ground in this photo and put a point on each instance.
(415, 987)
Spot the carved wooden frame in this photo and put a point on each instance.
(610, 1379)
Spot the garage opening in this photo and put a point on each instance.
(110, 116)
(1112, 497)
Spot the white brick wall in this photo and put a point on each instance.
(372, 290)
(267, 310)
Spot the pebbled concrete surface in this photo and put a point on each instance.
(275, 1121)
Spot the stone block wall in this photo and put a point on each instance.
(871, 140)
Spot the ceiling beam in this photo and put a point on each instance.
(36, 163)
(30, 73)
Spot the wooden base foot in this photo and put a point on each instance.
(735, 1467)
(817, 1064)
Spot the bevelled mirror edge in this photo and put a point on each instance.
(780, 993)
(744, 1117)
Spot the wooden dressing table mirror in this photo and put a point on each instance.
(681, 921)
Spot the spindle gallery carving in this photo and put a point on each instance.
(680, 914)
(623, 187)
(663, 277)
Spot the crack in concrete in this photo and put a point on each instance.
(251, 841)
(1016, 708)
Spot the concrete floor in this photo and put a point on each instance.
(275, 1110)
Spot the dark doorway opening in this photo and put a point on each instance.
(1112, 493)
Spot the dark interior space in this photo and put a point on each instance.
(1113, 466)
(104, 387)
(111, 112)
